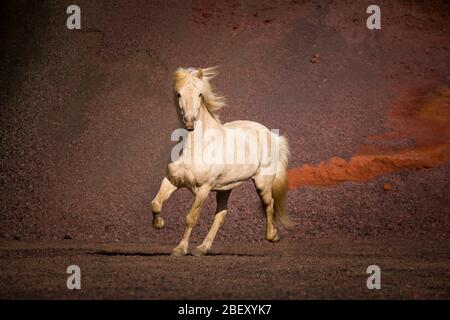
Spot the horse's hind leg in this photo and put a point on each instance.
(221, 211)
(263, 184)
(165, 191)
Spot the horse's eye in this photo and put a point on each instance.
(179, 95)
(200, 95)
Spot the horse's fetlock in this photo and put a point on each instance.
(272, 234)
(273, 237)
(158, 222)
(179, 251)
(201, 250)
(190, 221)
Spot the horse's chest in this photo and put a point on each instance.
(189, 175)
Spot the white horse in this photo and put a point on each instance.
(221, 167)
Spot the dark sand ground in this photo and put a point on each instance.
(318, 269)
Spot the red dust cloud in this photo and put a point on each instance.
(423, 115)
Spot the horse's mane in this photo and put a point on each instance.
(200, 78)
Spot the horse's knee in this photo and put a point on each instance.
(191, 220)
(156, 206)
(268, 205)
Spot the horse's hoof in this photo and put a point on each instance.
(200, 251)
(158, 222)
(178, 252)
(275, 239)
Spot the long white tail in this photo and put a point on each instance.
(280, 184)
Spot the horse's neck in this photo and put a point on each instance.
(207, 122)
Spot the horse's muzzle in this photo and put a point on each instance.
(189, 125)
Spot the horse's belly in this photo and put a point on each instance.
(229, 186)
(233, 176)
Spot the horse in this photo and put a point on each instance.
(218, 169)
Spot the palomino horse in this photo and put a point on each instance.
(265, 154)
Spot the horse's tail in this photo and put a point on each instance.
(280, 184)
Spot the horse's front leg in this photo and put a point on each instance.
(191, 219)
(165, 191)
(221, 211)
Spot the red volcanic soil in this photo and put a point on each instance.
(422, 116)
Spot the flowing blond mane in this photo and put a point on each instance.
(200, 79)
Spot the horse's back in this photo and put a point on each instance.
(244, 124)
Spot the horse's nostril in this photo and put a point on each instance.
(185, 119)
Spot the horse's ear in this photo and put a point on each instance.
(200, 73)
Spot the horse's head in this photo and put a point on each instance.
(188, 89)
(193, 91)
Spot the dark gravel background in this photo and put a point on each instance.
(86, 116)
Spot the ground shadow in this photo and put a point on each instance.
(121, 253)
(161, 254)
(235, 254)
